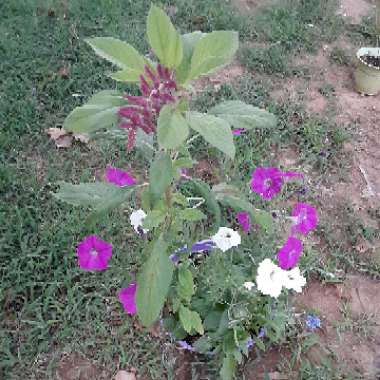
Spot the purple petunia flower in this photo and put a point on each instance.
(127, 298)
(268, 181)
(313, 322)
(305, 218)
(290, 252)
(238, 132)
(244, 220)
(186, 346)
(93, 253)
(119, 177)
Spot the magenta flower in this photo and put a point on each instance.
(244, 220)
(127, 298)
(305, 218)
(238, 132)
(268, 181)
(94, 253)
(290, 252)
(157, 88)
(119, 177)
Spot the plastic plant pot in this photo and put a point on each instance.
(367, 76)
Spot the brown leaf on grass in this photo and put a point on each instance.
(64, 139)
(82, 137)
(124, 375)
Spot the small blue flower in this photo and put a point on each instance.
(261, 332)
(174, 258)
(204, 245)
(186, 346)
(313, 322)
(249, 343)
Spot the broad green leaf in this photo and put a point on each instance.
(190, 320)
(204, 190)
(127, 75)
(118, 52)
(231, 196)
(183, 162)
(100, 112)
(160, 175)
(189, 41)
(163, 38)
(228, 369)
(154, 219)
(179, 199)
(192, 214)
(213, 50)
(185, 286)
(153, 282)
(242, 115)
(144, 144)
(172, 128)
(98, 195)
(214, 130)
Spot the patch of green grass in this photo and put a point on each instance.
(50, 306)
(289, 28)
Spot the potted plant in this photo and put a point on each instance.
(367, 73)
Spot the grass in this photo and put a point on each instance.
(286, 29)
(49, 306)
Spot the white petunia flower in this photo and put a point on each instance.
(226, 238)
(249, 285)
(137, 218)
(270, 278)
(294, 280)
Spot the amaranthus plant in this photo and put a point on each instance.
(212, 296)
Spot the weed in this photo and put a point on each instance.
(340, 57)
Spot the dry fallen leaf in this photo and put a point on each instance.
(155, 329)
(124, 375)
(82, 137)
(64, 139)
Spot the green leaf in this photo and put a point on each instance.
(179, 199)
(183, 162)
(100, 112)
(190, 320)
(232, 197)
(98, 195)
(203, 189)
(172, 128)
(192, 214)
(185, 286)
(214, 130)
(154, 219)
(118, 52)
(126, 75)
(161, 175)
(189, 41)
(242, 115)
(228, 369)
(153, 282)
(212, 51)
(260, 344)
(202, 345)
(163, 38)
